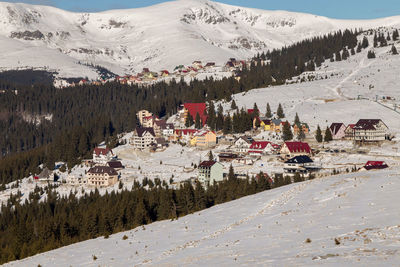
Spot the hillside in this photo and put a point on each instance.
(128, 40)
(360, 210)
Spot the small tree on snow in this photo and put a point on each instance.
(394, 50)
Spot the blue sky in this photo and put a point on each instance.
(343, 9)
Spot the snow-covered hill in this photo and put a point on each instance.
(160, 36)
(360, 210)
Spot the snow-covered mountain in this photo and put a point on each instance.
(160, 36)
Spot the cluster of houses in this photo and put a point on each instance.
(103, 171)
(147, 76)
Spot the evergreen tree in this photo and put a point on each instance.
(395, 35)
(365, 42)
(338, 57)
(197, 123)
(279, 112)
(189, 121)
(394, 50)
(231, 173)
(345, 54)
(375, 40)
(210, 155)
(388, 37)
(287, 132)
(256, 112)
(268, 112)
(328, 135)
(233, 105)
(297, 119)
(352, 51)
(211, 116)
(227, 129)
(318, 135)
(358, 48)
(371, 54)
(301, 135)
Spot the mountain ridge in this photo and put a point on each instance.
(126, 40)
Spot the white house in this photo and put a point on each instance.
(142, 114)
(370, 130)
(102, 176)
(300, 164)
(102, 155)
(243, 144)
(210, 172)
(143, 138)
(259, 148)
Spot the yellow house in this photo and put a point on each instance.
(266, 125)
(204, 139)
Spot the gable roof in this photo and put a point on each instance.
(142, 131)
(160, 123)
(247, 139)
(102, 151)
(300, 160)
(335, 127)
(350, 126)
(375, 165)
(115, 164)
(366, 124)
(194, 108)
(276, 121)
(298, 147)
(185, 131)
(103, 170)
(259, 144)
(207, 163)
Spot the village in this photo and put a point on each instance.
(179, 149)
(197, 69)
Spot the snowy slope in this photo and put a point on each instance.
(341, 92)
(360, 209)
(160, 36)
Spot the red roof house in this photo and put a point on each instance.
(375, 165)
(295, 149)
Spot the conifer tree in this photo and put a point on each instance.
(388, 37)
(211, 116)
(301, 136)
(358, 48)
(231, 174)
(256, 112)
(338, 57)
(394, 50)
(345, 54)
(268, 112)
(189, 120)
(227, 129)
(287, 132)
(297, 119)
(233, 105)
(365, 42)
(328, 135)
(210, 155)
(395, 35)
(279, 112)
(197, 123)
(318, 135)
(352, 52)
(375, 40)
(371, 54)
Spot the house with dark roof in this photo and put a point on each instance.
(370, 130)
(158, 126)
(142, 138)
(102, 176)
(291, 149)
(210, 172)
(102, 155)
(243, 143)
(338, 130)
(300, 164)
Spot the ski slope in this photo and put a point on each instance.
(125, 41)
(361, 210)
